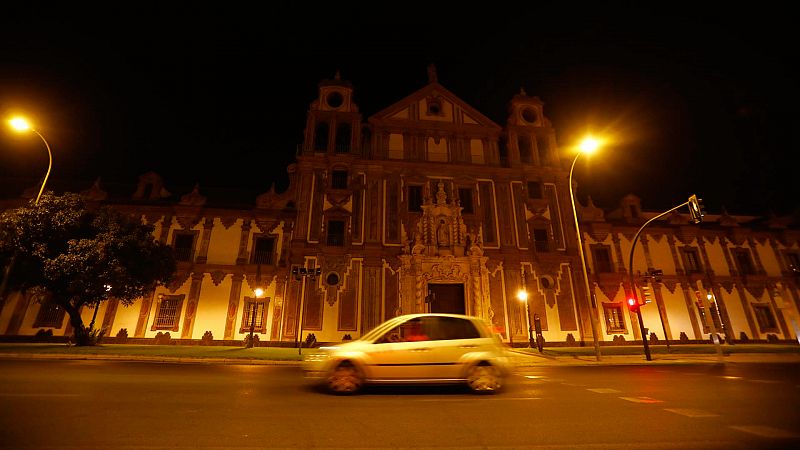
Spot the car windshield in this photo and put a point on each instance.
(381, 329)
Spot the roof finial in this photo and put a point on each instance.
(522, 91)
(432, 78)
(337, 76)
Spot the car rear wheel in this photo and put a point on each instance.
(484, 378)
(345, 379)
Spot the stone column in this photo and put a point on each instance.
(241, 258)
(144, 314)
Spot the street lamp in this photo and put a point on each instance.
(301, 273)
(523, 297)
(588, 146)
(21, 125)
(258, 292)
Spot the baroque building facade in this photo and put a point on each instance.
(428, 205)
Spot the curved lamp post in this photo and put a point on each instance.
(588, 146)
(523, 297)
(22, 125)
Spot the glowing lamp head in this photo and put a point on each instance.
(522, 296)
(589, 145)
(259, 292)
(19, 124)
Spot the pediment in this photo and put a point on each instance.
(448, 109)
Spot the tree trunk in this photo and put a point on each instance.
(81, 333)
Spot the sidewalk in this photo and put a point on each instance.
(290, 357)
(528, 359)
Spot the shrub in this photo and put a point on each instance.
(684, 337)
(570, 339)
(122, 335)
(653, 338)
(163, 338)
(743, 337)
(207, 338)
(347, 337)
(311, 339)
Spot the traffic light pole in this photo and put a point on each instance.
(630, 271)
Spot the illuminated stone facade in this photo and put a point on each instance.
(428, 205)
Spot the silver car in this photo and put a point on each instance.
(414, 348)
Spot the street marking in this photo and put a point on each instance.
(580, 385)
(604, 391)
(642, 400)
(764, 431)
(766, 381)
(731, 378)
(534, 376)
(691, 412)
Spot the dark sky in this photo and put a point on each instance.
(699, 100)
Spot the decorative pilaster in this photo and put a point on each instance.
(690, 308)
(110, 314)
(674, 251)
(233, 304)
(241, 257)
(191, 305)
(756, 256)
(618, 251)
(208, 225)
(144, 314)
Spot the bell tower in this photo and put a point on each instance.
(531, 138)
(333, 124)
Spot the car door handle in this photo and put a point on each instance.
(468, 346)
(420, 349)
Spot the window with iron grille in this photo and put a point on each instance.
(744, 261)
(615, 321)
(540, 239)
(50, 316)
(765, 318)
(414, 198)
(602, 259)
(183, 246)
(691, 260)
(339, 179)
(168, 312)
(253, 309)
(714, 317)
(465, 199)
(336, 233)
(263, 250)
(534, 189)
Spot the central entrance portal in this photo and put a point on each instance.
(447, 298)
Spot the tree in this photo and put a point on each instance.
(76, 256)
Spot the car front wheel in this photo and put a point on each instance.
(345, 379)
(484, 378)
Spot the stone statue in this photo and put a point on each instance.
(443, 234)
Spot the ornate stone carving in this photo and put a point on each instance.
(95, 193)
(217, 276)
(193, 198)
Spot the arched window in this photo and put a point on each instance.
(343, 136)
(321, 137)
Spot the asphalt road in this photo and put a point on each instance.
(121, 405)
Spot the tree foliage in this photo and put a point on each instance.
(77, 256)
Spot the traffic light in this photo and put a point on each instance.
(696, 209)
(633, 305)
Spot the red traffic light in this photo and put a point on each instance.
(633, 305)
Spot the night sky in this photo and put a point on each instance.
(698, 100)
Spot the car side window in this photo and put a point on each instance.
(451, 328)
(416, 329)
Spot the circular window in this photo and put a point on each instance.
(334, 99)
(332, 279)
(529, 115)
(546, 282)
